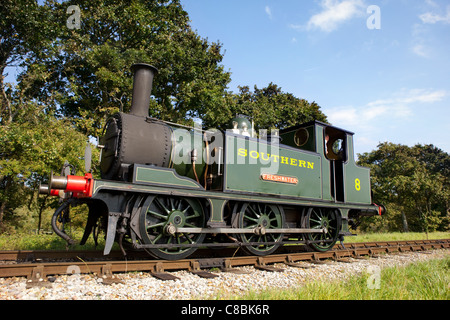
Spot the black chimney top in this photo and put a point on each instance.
(142, 88)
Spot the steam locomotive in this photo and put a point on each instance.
(171, 189)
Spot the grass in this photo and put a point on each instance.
(45, 242)
(397, 236)
(418, 281)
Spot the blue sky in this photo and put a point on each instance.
(383, 74)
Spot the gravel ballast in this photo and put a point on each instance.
(138, 286)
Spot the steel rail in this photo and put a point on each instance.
(40, 255)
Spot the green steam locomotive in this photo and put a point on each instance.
(171, 189)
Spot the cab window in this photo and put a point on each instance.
(335, 144)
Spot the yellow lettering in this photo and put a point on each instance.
(262, 156)
(252, 154)
(357, 184)
(242, 152)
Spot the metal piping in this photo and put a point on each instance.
(59, 215)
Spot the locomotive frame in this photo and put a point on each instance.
(259, 193)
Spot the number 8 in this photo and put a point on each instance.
(357, 184)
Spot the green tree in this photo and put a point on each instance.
(88, 68)
(19, 22)
(270, 107)
(413, 183)
(29, 149)
(86, 71)
(22, 32)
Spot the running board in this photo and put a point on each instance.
(258, 230)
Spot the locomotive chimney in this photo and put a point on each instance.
(142, 88)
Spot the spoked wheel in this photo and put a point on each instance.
(320, 218)
(159, 216)
(263, 216)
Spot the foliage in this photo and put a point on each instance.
(270, 107)
(18, 21)
(87, 70)
(29, 149)
(90, 66)
(413, 183)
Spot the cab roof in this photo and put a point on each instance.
(315, 123)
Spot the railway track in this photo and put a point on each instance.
(38, 265)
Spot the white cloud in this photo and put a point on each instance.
(334, 13)
(399, 106)
(420, 41)
(421, 31)
(343, 116)
(385, 119)
(431, 3)
(406, 97)
(422, 95)
(374, 112)
(432, 18)
(421, 50)
(268, 12)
